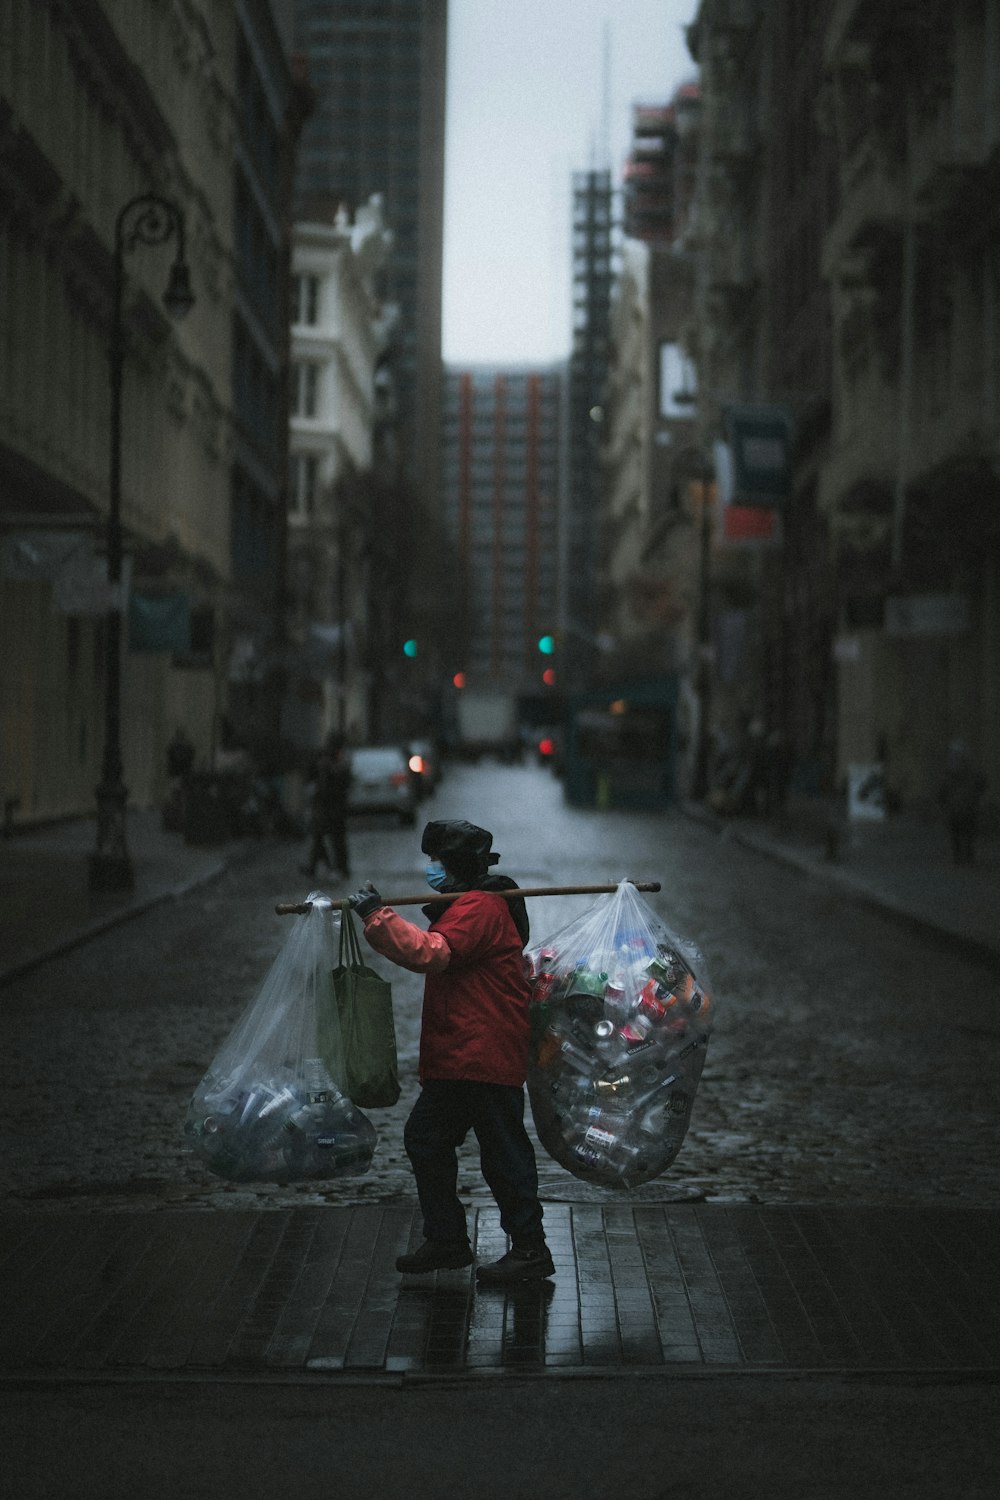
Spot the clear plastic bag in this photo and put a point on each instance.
(270, 1108)
(621, 1016)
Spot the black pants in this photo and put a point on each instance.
(442, 1117)
(330, 836)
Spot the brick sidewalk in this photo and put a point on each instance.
(44, 896)
(901, 867)
(652, 1287)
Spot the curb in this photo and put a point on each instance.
(963, 944)
(117, 918)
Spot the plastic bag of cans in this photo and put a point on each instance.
(270, 1107)
(621, 1016)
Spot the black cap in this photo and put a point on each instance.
(461, 847)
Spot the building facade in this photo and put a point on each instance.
(847, 277)
(104, 104)
(269, 112)
(501, 468)
(338, 335)
(761, 337)
(652, 477)
(911, 488)
(377, 73)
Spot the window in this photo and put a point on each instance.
(305, 299)
(304, 388)
(303, 480)
(678, 382)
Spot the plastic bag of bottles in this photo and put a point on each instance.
(621, 1016)
(270, 1108)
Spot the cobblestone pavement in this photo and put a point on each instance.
(853, 1061)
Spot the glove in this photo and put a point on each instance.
(365, 901)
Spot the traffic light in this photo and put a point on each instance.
(458, 680)
(547, 645)
(549, 677)
(409, 648)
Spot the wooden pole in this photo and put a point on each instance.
(283, 909)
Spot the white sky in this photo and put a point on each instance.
(525, 92)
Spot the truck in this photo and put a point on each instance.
(487, 724)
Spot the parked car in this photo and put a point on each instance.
(425, 767)
(381, 783)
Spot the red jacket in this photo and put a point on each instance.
(474, 1024)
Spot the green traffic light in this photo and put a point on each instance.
(409, 648)
(547, 645)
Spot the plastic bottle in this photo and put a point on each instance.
(589, 982)
(606, 1138)
(320, 1087)
(572, 1055)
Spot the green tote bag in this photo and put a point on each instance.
(364, 1008)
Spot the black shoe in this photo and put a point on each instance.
(520, 1264)
(436, 1255)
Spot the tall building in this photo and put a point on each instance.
(848, 272)
(763, 352)
(910, 484)
(377, 71)
(651, 470)
(267, 102)
(110, 108)
(337, 338)
(501, 479)
(593, 244)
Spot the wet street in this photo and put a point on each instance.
(852, 1061)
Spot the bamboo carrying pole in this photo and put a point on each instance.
(283, 909)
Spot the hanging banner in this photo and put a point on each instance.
(759, 439)
(159, 622)
(739, 524)
(749, 523)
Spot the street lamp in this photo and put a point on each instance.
(700, 778)
(145, 220)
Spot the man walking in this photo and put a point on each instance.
(329, 813)
(474, 1040)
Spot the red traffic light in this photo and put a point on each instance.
(549, 677)
(458, 680)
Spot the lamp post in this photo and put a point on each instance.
(145, 220)
(699, 787)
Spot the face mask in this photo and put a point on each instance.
(436, 875)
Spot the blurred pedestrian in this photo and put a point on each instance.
(180, 764)
(180, 755)
(329, 810)
(961, 791)
(474, 1040)
(777, 773)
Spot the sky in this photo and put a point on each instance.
(525, 98)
